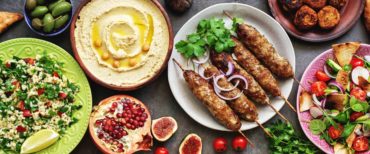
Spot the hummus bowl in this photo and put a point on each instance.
(122, 44)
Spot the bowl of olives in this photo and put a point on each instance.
(48, 17)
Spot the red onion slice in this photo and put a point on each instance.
(215, 84)
(203, 60)
(239, 77)
(328, 73)
(315, 100)
(218, 93)
(337, 85)
(230, 69)
(201, 73)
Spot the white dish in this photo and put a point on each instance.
(253, 16)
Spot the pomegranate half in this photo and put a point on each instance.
(121, 124)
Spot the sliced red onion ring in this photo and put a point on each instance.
(239, 77)
(215, 84)
(367, 58)
(218, 93)
(203, 60)
(337, 85)
(328, 73)
(316, 101)
(201, 73)
(233, 56)
(230, 69)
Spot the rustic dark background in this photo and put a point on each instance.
(158, 96)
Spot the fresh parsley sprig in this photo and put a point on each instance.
(211, 33)
(286, 140)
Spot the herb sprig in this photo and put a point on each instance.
(286, 140)
(211, 33)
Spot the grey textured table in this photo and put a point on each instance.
(157, 95)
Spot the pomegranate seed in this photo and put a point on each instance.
(100, 135)
(128, 125)
(142, 119)
(136, 123)
(114, 104)
(127, 118)
(27, 113)
(21, 129)
(141, 124)
(98, 122)
(119, 115)
(120, 150)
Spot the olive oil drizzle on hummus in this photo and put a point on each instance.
(123, 45)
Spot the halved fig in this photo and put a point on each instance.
(121, 124)
(163, 128)
(192, 144)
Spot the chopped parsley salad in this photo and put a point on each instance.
(338, 101)
(34, 95)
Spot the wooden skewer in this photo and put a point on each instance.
(241, 133)
(178, 64)
(289, 104)
(227, 14)
(281, 115)
(299, 83)
(264, 129)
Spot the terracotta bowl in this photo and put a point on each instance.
(99, 143)
(350, 13)
(114, 87)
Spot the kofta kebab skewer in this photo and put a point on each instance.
(215, 105)
(235, 98)
(254, 90)
(264, 51)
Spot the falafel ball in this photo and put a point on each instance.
(315, 4)
(337, 3)
(291, 5)
(329, 17)
(305, 18)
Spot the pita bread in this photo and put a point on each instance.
(7, 19)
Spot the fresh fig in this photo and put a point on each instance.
(163, 128)
(121, 123)
(192, 144)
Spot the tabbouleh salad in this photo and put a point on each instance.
(34, 95)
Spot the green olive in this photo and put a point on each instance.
(39, 11)
(61, 8)
(40, 2)
(31, 4)
(48, 23)
(52, 5)
(37, 23)
(61, 21)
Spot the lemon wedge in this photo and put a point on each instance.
(39, 141)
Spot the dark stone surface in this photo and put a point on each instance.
(158, 96)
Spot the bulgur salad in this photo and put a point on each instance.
(34, 95)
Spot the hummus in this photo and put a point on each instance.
(122, 42)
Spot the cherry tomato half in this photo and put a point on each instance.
(239, 143)
(161, 150)
(358, 93)
(321, 76)
(355, 62)
(220, 144)
(361, 143)
(335, 133)
(355, 115)
(318, 88)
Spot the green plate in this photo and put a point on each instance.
(28, 47)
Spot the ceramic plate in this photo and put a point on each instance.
(309, 76)
(350, 13)
(265, 24)
(27, 47)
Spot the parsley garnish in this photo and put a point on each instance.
(286, 140)
(211, 33)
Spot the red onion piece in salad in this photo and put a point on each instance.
(316, 100)
(239, 77)
(327, 72)
(337, 85)
(219, 88)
